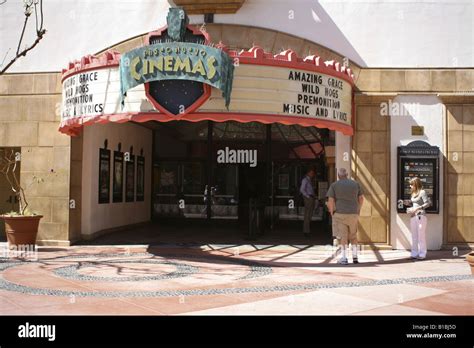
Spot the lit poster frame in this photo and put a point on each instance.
(130, 179)
(118, 177)
(140, 193)
(104, 176)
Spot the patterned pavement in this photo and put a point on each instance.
(232, 279)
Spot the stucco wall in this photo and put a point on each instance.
(434, 33)
(426, 111)
(459, 161)
(98, 217)
(370, 167)
(29, 119)
(343, 152)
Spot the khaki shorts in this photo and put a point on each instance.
(344, 227)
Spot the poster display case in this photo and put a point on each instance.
(418, 159)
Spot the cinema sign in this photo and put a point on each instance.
(177, 61)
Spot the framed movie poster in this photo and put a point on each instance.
(283, 181)
(104, 176)
(130, 179)
(140, 178)
(118, 177)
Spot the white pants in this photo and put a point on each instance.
(418, 235)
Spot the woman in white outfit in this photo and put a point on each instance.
(419, 201)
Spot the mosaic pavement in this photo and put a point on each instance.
(232, 279)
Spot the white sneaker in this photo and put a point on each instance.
(343, 261)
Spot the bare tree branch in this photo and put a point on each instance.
(30, 6)
(23, 53)
(27, 16)
(7, 168)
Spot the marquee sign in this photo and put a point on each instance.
(261, 87)
(85, 94)
(319, 96)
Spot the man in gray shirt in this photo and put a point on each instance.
(307, 191)
(345, 199)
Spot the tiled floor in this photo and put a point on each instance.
(236, 279)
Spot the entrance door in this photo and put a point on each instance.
(287, 176)
(8, 200)
(210, 171)
(251, 186)
(180, 189)
(225, 191)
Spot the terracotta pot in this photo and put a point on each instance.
(21, 230)
(470, 259)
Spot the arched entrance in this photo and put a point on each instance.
(220, 135)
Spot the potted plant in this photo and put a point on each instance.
(470, 259)
(21, 227)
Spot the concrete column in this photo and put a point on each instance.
(343, 152)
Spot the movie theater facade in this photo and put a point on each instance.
(179, 124)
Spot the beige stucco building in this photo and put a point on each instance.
(439, 99)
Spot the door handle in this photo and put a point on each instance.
(10, 199)
(16, 199)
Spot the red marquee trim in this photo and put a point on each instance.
(73, 126)
(109, 59)
(288, 59)
(255, 55)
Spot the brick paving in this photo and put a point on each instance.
(233, 279)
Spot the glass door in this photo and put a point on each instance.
(193, 190)
(224, 192)
(180, 189)
(166, 189)
(237, 160)
(286, 200)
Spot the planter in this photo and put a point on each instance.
(470, 259)
(21, 230)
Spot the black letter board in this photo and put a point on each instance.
(420, 159)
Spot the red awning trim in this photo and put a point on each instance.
(73, 126)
